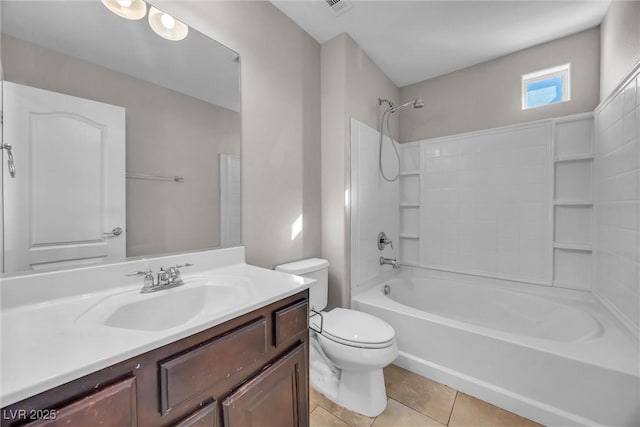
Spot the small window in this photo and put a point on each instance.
(546, 87)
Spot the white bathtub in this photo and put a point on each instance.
(552, 355)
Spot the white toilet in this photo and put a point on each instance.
(348, 348)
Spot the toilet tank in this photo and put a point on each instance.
(312, 268)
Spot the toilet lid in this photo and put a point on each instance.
(354, 328)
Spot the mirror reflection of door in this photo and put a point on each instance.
(66, 203)
(182, 101)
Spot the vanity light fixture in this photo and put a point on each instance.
(128, 9)
(167, 26)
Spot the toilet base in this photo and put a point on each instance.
(359, 391)
(363, 392)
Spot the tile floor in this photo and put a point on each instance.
(415, 401)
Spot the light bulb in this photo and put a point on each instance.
(128, 9)
(167, 26)
(168, 21)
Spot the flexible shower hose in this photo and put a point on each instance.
(387, 113)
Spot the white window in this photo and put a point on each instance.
(546, 87)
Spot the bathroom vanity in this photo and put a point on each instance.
(244, 364)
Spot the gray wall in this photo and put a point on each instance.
(168, 133)
(488, 95)
(280, 123)
(351, 85)
(620, 44)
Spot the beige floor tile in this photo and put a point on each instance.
(351, 418)
(428, 397)
(398, 415)
(471, 412)
(320, 417)
(313, 399)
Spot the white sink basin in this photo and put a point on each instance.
(163, 309)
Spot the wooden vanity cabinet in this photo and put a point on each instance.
(248, 371)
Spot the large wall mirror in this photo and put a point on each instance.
(121, 135)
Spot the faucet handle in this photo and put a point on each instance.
(149, 284)
(174, 271)
(383, 241)
(186, 264)
(146, 272)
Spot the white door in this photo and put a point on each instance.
(4, 163)
(229, 200)
(68, 193)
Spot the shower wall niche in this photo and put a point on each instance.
(409, 238)
(573, 202)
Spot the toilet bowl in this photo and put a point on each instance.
(349, 348)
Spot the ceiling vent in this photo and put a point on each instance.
(339, 6)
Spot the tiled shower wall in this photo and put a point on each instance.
(485, 203)
(512, 203)
(617, 202)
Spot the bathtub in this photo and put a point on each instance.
(552, 355)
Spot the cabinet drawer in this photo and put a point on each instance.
(113, 406)
(188, 374)
(290, 321)
(207, 416)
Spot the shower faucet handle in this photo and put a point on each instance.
(383, 241)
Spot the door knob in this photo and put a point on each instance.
(115, 232)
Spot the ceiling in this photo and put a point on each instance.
(413, 41)
(196, 66)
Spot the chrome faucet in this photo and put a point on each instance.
(389, 261)
(169, 278)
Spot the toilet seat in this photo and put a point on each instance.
(353, 328)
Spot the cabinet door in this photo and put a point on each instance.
(277, 397)
(114, 406)
(207, 416)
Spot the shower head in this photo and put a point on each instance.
(416, 103)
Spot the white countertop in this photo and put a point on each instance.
(49, 343)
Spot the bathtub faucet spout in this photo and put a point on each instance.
(389, 261)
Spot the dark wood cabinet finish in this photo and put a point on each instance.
(277, 397)
(203, 367)
(114, 405)
(185, 382)
(291, 321)
(205, 417)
